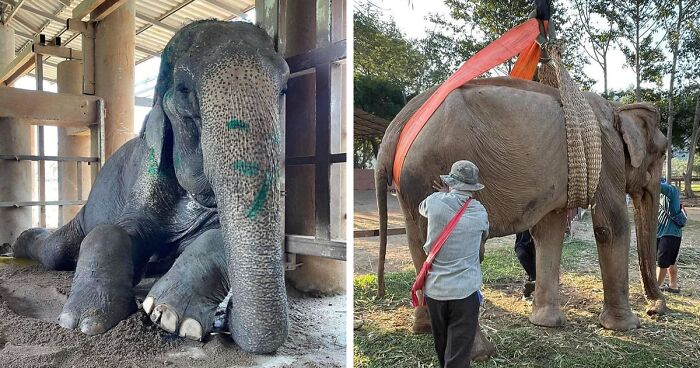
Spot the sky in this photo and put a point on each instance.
(412, 20)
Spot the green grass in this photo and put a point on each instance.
(385, 338)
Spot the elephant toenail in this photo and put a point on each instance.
(191, 329)
(148, 304)
(168, 321)
(67, 320)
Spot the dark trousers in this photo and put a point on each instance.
(454, 324)
(525, 250)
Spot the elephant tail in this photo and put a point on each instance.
(380, 183)
(383, 175)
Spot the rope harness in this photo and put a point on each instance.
(583, 140)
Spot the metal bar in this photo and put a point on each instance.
(323, 55)
(44, 14)
(314, 247)
(15, 8)
(41, 203)
(48, 158)
(375, 232)
(60, 192)
(322, 178)
(39, 71)
(79, 174)
(156, 22)
(222, 5)
(310, 160)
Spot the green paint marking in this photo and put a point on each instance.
(275, 136)
(152, 164)
(178, 160)
(261, 197)
(247, 168)
(238, 124)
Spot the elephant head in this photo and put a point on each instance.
(645, 146)
(215, 122)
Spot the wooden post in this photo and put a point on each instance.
(114, 74)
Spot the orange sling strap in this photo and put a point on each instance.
(419, 284)
(519, 40)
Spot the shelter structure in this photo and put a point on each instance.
(90, 47)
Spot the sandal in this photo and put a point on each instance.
(670, 289)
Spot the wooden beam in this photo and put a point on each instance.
(146, 51)
(86, 7)
(21, 65)
(105, 9)
(58, 51)
(57, 109)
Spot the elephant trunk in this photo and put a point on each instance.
(241, 153)
(646, 205)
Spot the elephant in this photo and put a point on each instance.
(514, 131)
(201, 182)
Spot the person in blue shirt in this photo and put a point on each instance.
(668, 236)
(452, 284)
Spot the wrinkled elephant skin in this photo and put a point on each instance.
(514, 131)
(199, 182)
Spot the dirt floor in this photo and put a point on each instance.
(31, 298)
(383, 336)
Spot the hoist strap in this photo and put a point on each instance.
(518, 40)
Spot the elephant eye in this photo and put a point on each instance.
(183, 88)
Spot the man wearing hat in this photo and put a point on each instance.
(452, 284)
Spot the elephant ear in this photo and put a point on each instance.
(154, 132)
(637, 121)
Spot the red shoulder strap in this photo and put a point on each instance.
(520, 39)
(420, 279)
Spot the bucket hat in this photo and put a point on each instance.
(464, 175)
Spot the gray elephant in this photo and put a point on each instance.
(514, 131)
(199, 182)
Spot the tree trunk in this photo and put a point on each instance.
(637, 92)
(691, 151)
(669, 130)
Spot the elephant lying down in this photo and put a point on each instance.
(201, 182)
(514, 131)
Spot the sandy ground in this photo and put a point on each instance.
(31, 298)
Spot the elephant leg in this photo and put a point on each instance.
(185, 299)
(549, 238)
(56, 250)
(421, 321)
(102, 291)
(612, 233)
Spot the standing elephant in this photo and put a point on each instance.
(514, 131)
(201, 182)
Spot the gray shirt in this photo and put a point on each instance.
(456, 271)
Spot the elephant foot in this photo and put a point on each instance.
(619, 320)
(656, 307)
(185, 299)
(548, 316)
(102, 294)
(421, 323)
(482, 349)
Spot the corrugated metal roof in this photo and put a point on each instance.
(156, 23)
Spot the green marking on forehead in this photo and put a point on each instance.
(177, 159)
(152, 164)
(247, 168)
(261, 196)
(238, 124)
